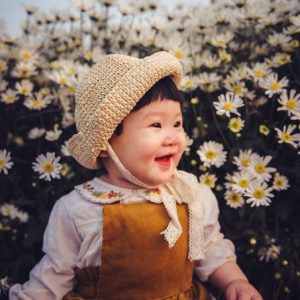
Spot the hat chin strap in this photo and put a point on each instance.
(122, 169)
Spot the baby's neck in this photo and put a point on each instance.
(120, 182)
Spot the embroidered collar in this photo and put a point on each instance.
(98, 191)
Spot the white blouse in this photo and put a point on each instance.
(73, 238)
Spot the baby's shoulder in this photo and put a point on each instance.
(192, 181)
(76, 206)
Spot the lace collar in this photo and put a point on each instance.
(99, 191)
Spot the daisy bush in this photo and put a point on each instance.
(242, 88)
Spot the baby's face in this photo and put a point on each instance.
(151, 143)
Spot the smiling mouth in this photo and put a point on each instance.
(164, 160)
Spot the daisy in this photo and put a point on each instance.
(234, 199)
(263, 129)
(280, 182)
(241, 181)
(48, 166)
(11, 211)
(221, 40)
(228, 104)
(28, 53)
(236, 124)
(279, 59)
(4, 286)
(212, 154)
(53, 135)
(36, 133)
(278, 39)
(188, 83)
(5, 162)
(24, 69)
(189, 142)
(37, 101)
(224, 56)
(209, 82)
(208, 179)
(286, 135)
(272, 85)
(259, 168)
(64, 149)
(269, 253)
(259, 194)
(8, 210)
(289, 102)
(9, 97)
(24, 87)
(243, 160)
(61, 77)
(237, 88)
(210, 61)
(259, 71)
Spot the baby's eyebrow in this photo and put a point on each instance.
(159, 114)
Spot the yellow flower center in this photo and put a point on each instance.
(275, 86)
(278, 183)
(235, 125)
(244, 183)
(228, 106)
(259, 194)
(260, 168)
(188, 83)
(63, 80)
(9, 99)
(48, 167)
(284, 59)
(263, 129)
(237, 89)
(286, 137)
(294, 43)
(245, 162)
(2, 163)
(178, 53)
(25, 55)
(208, 181)
(88, 55)
(24, 91)
(258, 73)
(291, 104)
(234, 198)
(210, 154)
(37, 103)
(220, 43)
(2, 68)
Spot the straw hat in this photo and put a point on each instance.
(108, 94)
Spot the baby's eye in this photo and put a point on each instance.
(178, 124)
(156, 125)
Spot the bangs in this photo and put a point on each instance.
(164, 89)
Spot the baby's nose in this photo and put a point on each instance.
(171, 137)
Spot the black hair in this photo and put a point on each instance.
(164, 89)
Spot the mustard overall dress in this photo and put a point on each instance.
(136, 262)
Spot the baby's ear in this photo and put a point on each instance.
(103, 154)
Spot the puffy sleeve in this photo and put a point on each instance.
(217, 249)
(53, 276)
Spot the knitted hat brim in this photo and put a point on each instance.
(86, 145)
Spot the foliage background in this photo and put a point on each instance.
(57, 48)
